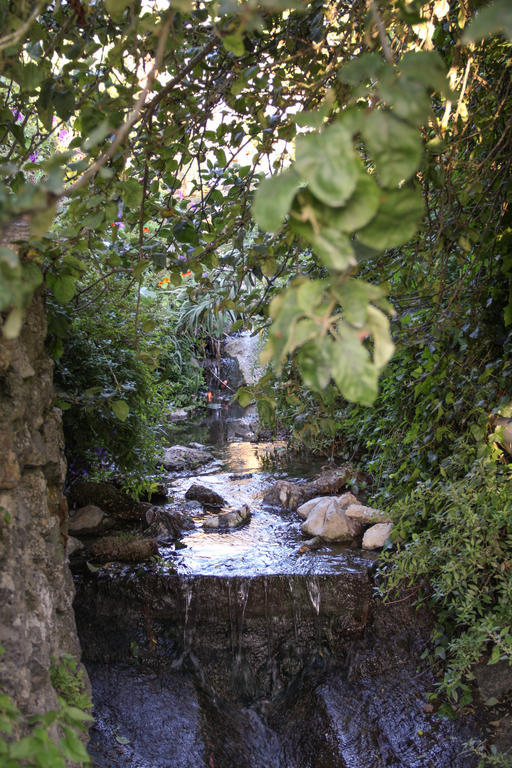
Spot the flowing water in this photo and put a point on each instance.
(237, 651)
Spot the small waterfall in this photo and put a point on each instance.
(313, 588)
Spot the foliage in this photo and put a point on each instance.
(454, 541)
(52, 738)
(68, 680)
(115, 397)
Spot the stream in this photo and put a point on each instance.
(235, 651)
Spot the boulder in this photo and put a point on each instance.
(184, 457)
(122, 549)
(205, 495)
(165, 523)
(89, 520)
(284, 494)
(106, 496)
(344, 501)
(333, 480)
(367, 515)
(327, 519)
(376, 536)
(230, 519)
(290, 495)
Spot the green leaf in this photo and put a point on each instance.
(12, 326)
(71, 746)
(274, 198)
(122, 740)
(352, 370)
(495, 655)
(314, 362)
(333, 248)
(121, 409)
(64, 103)
(361, 207)
(427, 68)
(494, 18)
(64, 288)
(131, 193)
(77, 716)
(234, 44)
(116, 7)
(369, 66)
(244, 396)
(327, 162)
(379, 327)
(139, 268)
(397, 221)
(395, 147)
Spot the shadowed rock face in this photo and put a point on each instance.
(270, 671)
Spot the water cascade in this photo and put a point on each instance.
(239, 651)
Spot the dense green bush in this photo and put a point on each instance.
(453, 537)
(116, 388)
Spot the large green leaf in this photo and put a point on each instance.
(121, 409)
(274, 198)
(64, 288)
(333, 248)
(495, 18)
(395, 147)
(327, 162)
(397, 221)
(381, 333)
(352, 369)
(360, 208)
(368, 66)
(427, 68)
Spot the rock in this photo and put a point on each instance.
(106, 496)
(344, 501)
(166, 523)
(246, 476)
(332, 481)
(493, 680)
(376, 536)
(184, 457)
(229, 519)
(367, 514)
(205, 495)
(73, 545)
(327, 519)
(245, 349)
(284, 494)
(177, 415)
(310, 545)
(122, 549)
(89, 520)
(290, 495)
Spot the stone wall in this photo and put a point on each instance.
(36, 590)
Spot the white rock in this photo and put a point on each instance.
(367, 514)
(327, 519)
(376, 536)
(343, 501)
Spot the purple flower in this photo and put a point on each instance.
(119, 224)
(17, 115)
(63, 134)
(180, 257)
(33, 157)
(205, 274)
